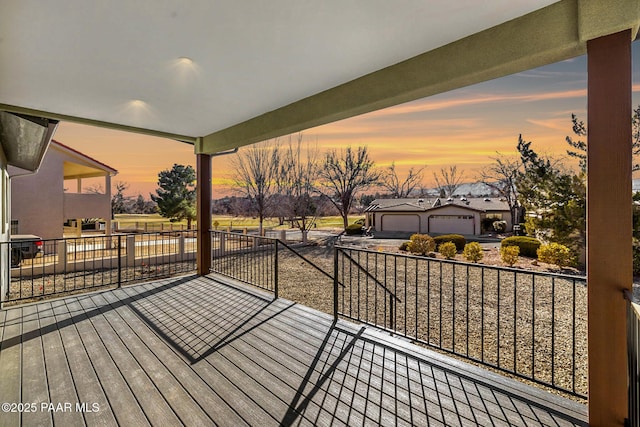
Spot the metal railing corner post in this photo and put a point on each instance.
(120, 260)
(275, 272)
(335, 283)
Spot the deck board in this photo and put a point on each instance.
(84, 375)
(62, 389)
(121, 400)
(197, 351)
(10, 363)
(35, 386)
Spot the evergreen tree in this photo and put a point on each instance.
(176, 197)
(554, 198)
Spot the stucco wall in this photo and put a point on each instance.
(86, 206)
(5, 203)
(378, 218)
(36, 200)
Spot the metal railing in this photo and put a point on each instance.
(633, 353)
(72, 264)
(251, 258)
(247, 258)
(530, 324)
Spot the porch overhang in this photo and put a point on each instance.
(555, 33)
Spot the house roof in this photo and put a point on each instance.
(79, 165)
(400, 204)
(487, 204)
(221, 74)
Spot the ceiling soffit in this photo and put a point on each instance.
(551, 34)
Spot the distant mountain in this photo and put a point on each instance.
(473, 189)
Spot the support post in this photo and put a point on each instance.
(609, 225)
(61, 249)
(131, 249)
(203, 188)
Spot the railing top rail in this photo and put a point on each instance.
(230, 233)
(493, 267)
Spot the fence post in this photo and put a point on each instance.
(119, 260)
(61, 249)
(275, 272)
(131, 250)
(335, 284)
(181, 246)
(222, 242)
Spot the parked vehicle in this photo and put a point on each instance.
(24, 246)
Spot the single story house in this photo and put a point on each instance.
(42, 202)
(395, 217)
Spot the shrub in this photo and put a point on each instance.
(555, 253)
(421, 244)
(473, 252)
(636, 257)
(528, 245)
(509, 254)
(353, 229)
(448, 250)
(500, 226)
(456, 239)
(359, 221)
(404, 246)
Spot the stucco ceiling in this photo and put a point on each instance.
(194, 68)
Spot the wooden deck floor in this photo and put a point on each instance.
(193, 351)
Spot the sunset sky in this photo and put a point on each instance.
(465, 127)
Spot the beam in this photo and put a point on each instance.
(548, 35)
(97, 123)
(203, 206)
(609, 224)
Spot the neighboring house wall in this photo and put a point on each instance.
(36, 199)
(394, 217)
(40, 203)
(5, 209)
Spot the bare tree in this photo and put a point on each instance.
(95, 189)
(343, 174)
(401, 188)
(119, 202)
(448, 181)
(502, 176)
(255, 175)
(298, 176)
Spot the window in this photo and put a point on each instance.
(15, 229)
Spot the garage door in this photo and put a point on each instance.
(407, 223)
(446, 224)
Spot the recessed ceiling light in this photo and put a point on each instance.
(185, 61)
(137, 103)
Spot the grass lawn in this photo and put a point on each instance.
(330, 222)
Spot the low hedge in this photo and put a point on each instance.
(353, 229)
(528, 245)
(456, 239)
